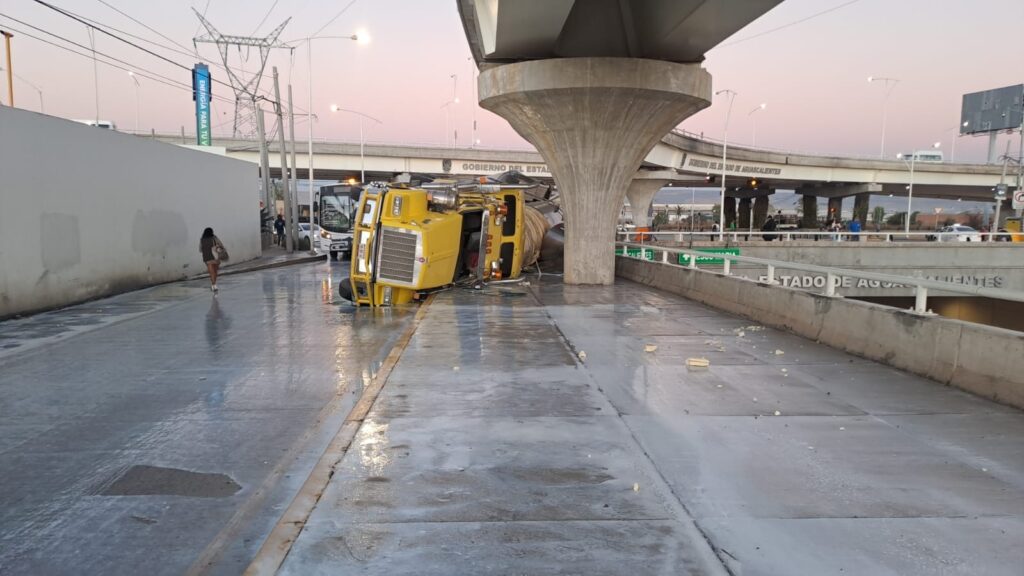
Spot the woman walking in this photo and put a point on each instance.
(213, 252)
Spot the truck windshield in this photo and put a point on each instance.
(336, 212)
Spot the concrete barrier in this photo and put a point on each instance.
(984, 360)
(87, 212)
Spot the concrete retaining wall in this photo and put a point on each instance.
(981, 359)
(87, 212)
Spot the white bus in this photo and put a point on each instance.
(933, 156)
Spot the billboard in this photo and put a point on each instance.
(992, 110)
(201, 94)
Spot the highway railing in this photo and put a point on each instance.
(789, 235)
(722, 263)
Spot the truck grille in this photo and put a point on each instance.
(397, 256)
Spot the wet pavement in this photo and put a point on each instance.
(492, 449)
(163, 431)
(166, 431)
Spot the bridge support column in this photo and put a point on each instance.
(861, 205)
(730, 212)
(593, 120)
(810, 217)
(760, 211)
(744, 219)
(835, 208)
(641, 194)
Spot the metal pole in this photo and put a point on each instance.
(288, 222)
(362, 156)
(295, 168)
(1020, 168)
(268, 197)
(999, 202)
(725, 149)
(910, 193)
(10, 70)
(309, 119)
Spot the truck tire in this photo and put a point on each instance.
(334, 255)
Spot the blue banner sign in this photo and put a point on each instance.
(201, 95)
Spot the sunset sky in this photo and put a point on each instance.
(812, 74)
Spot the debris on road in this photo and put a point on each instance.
(779, 352)
(582, 355)
(698, 362)
(650, 348)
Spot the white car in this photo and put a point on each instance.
(957, 233)
(304, 232)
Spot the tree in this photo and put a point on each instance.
(660, 219)
(878, 215)
(913, 217)
(896, 218)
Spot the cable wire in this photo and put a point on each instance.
(784, 26)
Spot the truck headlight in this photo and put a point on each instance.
(396, 206)
(325, 234)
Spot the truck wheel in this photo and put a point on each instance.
(345, 289)
(334, 254)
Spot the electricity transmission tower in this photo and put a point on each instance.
(246, 89)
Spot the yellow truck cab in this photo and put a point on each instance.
(408, 242)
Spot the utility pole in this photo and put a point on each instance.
(268, 195)
(288, 220)
(1000, 193)
(10, 70)
(295, 168)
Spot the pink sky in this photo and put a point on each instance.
(812, 75)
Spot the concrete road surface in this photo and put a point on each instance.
(542, 429)
(163, 431)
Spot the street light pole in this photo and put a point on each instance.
(136, 80)
(361, 38)
(890, 83)
(910, 188)
(362, 156)
(725, 150)
(762, 106)
(10, 69)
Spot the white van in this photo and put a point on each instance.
(105, 124)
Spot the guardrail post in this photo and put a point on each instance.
(664, 257)
(830, 284)
(921, 300)
(693, 261)
(726, 266)
(679, 237)
(771, 274)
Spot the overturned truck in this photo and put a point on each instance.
(411, 241)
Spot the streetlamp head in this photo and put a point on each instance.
(362, 37)
(456, 100)
(937, 145)
(899, 156)
(764, 105)
(334, 108)
(131, 73)
(871, 78)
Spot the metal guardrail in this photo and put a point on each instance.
(833, 276)
(789, 235)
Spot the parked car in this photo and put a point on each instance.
(957, 233)
(304, 235)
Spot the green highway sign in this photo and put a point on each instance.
(684, 259)
(635, 253)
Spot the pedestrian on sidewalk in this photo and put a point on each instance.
(279, 228)
(213, 252)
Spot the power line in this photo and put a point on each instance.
(265, 16)
(100, 27)
(149, 75)
(794, 23)
(331, 21)
(157, 32)
(116, 37)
